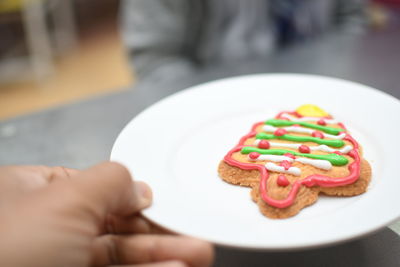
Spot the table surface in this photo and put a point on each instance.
(81, 134)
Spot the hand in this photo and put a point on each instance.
(63, 217)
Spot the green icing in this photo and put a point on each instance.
(333, 158)
(326, 129)
(295, 138)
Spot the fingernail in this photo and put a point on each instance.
(144, 192)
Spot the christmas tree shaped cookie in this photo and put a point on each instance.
(289, 160)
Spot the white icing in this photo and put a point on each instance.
(275, 168)
(275, 158)
(269, 128)
(323, 148)
(299, 129)
(293, 129)
(340, 136)
(273, 144)
(318, 163)
(328, 121)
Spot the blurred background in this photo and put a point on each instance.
(54, 52)
(57, 51)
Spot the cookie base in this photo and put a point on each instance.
(306, 195)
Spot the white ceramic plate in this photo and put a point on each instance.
(176, 145)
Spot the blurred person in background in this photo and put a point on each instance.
(168, 39)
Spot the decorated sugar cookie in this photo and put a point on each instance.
(291, 159)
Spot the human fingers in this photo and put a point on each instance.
(126, 225)
(132, 224)
(59, 222)
(141, 249)
(96, 193)
(94, 196)
(109, 189)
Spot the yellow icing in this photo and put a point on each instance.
(309, 110)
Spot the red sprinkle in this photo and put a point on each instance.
(254, 155)
(286, 164)
(317, 134)
(321, 122)
(289, 155)
(264, 144)
(304, 149)
(282, 180)
(338, 152)
(280, 132)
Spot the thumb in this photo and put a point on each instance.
(109, 188)
(95, 193)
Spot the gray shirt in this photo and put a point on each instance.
(171, 38)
